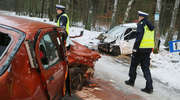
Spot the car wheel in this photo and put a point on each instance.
(105, 47)
(115, 51)
(77, 78)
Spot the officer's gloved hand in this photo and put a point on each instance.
(134, 50)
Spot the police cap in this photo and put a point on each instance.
(60, 7)
(140, 13)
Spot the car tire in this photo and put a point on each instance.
(77, 78)
(104, 48)
(115, 51)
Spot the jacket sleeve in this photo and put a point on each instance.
(151, 27)
(63, 22)
(139, 35)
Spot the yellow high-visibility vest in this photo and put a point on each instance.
(148, 38)
(67, 24)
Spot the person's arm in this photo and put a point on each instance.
(151, 27)
(139, 36)
(63, 22)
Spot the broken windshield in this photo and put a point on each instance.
(117, 30)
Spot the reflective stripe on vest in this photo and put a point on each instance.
(67, 24)
(148, 38)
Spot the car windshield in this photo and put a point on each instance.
(114, 33)
(117, 30)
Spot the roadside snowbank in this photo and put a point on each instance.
(167, 68)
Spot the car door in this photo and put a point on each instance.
(10, 42)
(50, 57)
(130, 36)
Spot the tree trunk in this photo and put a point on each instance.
(114, 13)
(94, 19)
(127, 10)
(157, 32)
(42, 8)
(17, 7)
(166, 15)
(178, 37)
(67, 4)
(50, 9)
(89, 16)
(173, 21)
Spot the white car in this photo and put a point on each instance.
(118, 40)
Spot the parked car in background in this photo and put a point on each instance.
(118, 40)
(34, 63)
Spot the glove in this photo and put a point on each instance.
(134, 50)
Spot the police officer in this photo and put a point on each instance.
(62, 18)
(63, 22)
(141, 52)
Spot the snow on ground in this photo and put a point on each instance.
(88, 38)
(110, 69)
(165, 70)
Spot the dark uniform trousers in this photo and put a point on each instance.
(142, 58)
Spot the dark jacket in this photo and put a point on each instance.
(63, 20)
(140, 34)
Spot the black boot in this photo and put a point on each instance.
(147, 90)
(129, 82)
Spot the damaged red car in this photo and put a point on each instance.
(34, 63)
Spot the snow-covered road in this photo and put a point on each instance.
(116, 71)
(165, 73)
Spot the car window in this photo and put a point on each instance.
(10, 42)
(128, 31)
(129, 34)
(6, 40)
(48, 51)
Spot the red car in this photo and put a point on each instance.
(33, 60)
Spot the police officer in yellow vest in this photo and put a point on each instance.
(141, 52)
(63, 21)
(62, 18)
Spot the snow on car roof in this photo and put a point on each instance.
(133, 25)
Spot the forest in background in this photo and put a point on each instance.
(97, 14)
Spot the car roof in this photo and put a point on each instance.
(29, 27)
(130, 25)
